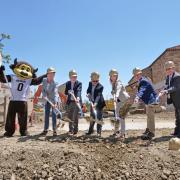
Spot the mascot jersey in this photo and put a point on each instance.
(20, 88)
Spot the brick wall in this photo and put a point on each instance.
(156, 71)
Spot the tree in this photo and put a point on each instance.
(6, 58)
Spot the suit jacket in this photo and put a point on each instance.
(146, 91)
(98, 96)
(173, 90)
(77, 90)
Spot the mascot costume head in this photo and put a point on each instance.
(23, 70)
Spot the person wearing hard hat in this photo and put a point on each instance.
(95, 95)
(172, 90)
(121, 99)
(75, 87)
(50, 91)
(147, 94)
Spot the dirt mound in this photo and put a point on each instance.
(88, 157)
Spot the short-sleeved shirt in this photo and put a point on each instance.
(20, 88)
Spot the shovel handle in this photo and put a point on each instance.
(78, 104)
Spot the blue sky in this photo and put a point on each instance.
(90, 35)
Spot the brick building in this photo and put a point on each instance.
(156, 71)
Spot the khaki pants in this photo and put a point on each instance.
(150, 111)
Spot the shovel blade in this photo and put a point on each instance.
(96, 121)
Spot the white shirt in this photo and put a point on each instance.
(170, 77)
(92, 92)
(20, 88)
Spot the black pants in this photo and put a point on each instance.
(19, 107)
(177, 115)
(99, 117)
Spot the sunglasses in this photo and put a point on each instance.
(73, 77)
(95, 81)
(136, 75)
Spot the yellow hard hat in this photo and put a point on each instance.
(72, 73)
(95, 76)
(169, 64)
(51, 70)
(137, 71)
(113, 72)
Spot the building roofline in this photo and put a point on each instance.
(174, 48)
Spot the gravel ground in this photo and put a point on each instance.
(88, 157)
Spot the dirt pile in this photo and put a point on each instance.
(88, 157)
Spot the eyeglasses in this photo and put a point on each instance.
(95, 81)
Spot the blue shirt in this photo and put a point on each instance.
(146, 91)
(50, 90)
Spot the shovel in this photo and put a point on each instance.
(95, 115)
(77, 103)
(58, 112)
(116, 116)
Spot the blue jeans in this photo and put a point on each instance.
(47, 114)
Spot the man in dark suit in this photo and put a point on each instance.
(172, 89)
(94, 93)
(147, 94)
(75, 87)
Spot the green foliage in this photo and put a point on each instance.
(87, 105)
(7, 57)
